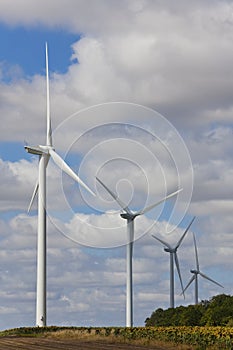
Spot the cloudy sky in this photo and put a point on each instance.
(142, 96)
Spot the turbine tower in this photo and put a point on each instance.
(129, 215)
(45, 152)
(173, 256)
(198, 272)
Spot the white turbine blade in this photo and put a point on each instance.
(117, 199)
(196, 255)
(33, 196)
(210, 279)
(63, 166)
(49, 127)
(163, 242)
(37, 186)
(145, 210)
(191, 280)
(179, 273)
(185, 232)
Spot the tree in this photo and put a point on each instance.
(192, 315)
(219, 311)
(216, 312)
(155, 318)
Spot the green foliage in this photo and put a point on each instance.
(216, 312)
(192, 315)
(219, 311)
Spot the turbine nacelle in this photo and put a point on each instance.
(128, 216)
(34, 150)
(39, 150)
(194, 271)
(170, 250)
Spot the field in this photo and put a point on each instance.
(72, 339)
(16, 343)
(138, 338)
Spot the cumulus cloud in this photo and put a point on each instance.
(177, 60)
(75, 272)
(16, 179)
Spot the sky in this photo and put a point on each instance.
(141, 95)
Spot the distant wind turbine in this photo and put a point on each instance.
(196, 273)
(44, 153)
(129, 215)
(173, 256)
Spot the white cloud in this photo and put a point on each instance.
(16, 180)
(177, 60)
(75, 272)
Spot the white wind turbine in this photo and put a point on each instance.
(173, 256)
(129, 215)
(196, 273)
(45, 152)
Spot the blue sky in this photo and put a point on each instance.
(23, 47)
(168, 74)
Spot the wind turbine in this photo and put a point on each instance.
(198, 272)
(45, 152)
(129, 215)
(173, 256)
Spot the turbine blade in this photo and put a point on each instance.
(117, 199)
(196, 255)
(179, 273)
(63, 166)
(185, 232)
(49, 127)
(163, 242)
(145, 210)
(191, 280)
(33, 196)
(210, 279)
(37, 185)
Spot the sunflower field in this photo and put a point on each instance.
(202, 337)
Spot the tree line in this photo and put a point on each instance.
(218, 311)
